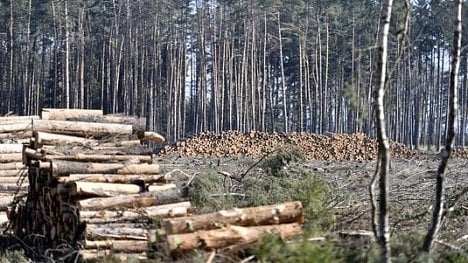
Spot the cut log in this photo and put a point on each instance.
(11, 157)
(63, 114)
(12, 119)
(83, 129)
(46, 138)
(90, 254)
(11, 179)
(161, 211)
(116, 178)
(12, 173)
(102, 189)
(151, 136)
(64, 168)
(130, 246)
(290, 212)
(16, 135)
(143, 200)
(119, 143)
(11, 148)
(160, 188)
(13, 188)
(138, 124)
(228, 236)
(100, 158)
(3, 219)
(16, 127)
(5, 201)
(100, 232)
(12, 166)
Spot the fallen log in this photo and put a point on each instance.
(63, 114)
(64, 168)
(102, 189)
(290, 212)
(116, 178)
(161, 211)
(129, 246)
(83, 129)
(142, 200)
(228, 236)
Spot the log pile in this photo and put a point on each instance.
(231, 229)
(256, 144)
(90, 183)
(14, 131)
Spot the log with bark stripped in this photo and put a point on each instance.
(130, 214)
(16, 127)
(116, 178)
(13, 119)
(290, 212)
(47, 138)
(101, 189)
(11, 157)
(142, 200)
(63, 114)
(138, 124)
(83, 129)
(11, 148)
(64, 168)
(80, 157)
(228, 236)
(130, 246)
(12, 166)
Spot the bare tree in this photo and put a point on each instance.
(453, 108)
(383, 234)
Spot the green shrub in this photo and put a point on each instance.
(275, 164)
(312, 191)
(204, 193)
(273, 249)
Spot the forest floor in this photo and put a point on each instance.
(412, 184)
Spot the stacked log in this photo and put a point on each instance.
(87, 178)
(256, 144)
(232, 228)
(14, 131)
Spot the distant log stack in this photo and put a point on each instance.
(85, 176)
(255, 144)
